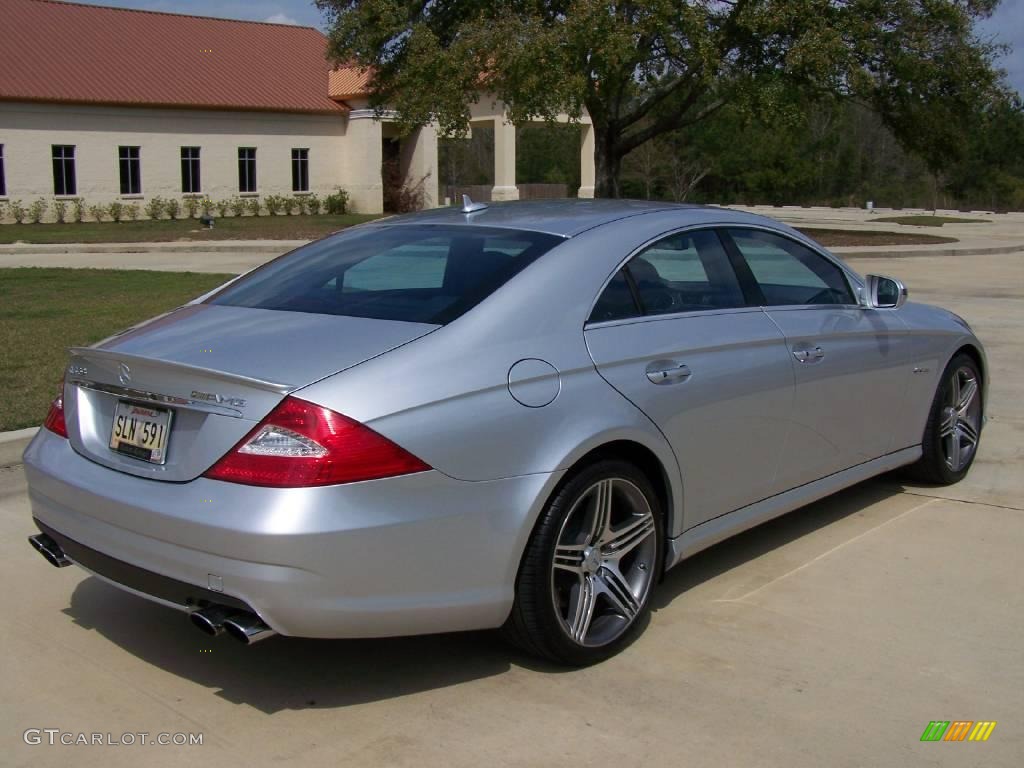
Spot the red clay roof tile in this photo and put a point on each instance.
(66, 52)
(348, 82)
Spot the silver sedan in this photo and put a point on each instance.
(511, 416)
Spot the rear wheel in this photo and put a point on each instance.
(585, 582)
(953, 431)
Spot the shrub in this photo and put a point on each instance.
(131, 211)
(115, 210)
(191, 206)
(17, 211)
(301, 204)
(222, 208)
(337, 201)
(273, 204)
(77, 209)
(3, 211)
(237, 206)
(155, 207)
(313, 204)
(37, 210)
(253, 204)
(97, 212)
(206, 205)
(288, 204)
(172, 208)
(60, 209)
(402, 196)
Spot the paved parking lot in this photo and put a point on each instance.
(830, 637)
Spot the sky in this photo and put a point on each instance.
(1005, 26)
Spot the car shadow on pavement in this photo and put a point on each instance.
(751, 544)
(295, 673)
(288, 673)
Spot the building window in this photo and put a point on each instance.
(247, 169)
(130, 169)
(64, 169)
(190, 181)
(300, 170)
(3, 179)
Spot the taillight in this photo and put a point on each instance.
(300, 444)
(55, 418)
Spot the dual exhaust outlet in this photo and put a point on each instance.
(243, 626)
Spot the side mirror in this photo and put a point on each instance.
(885, 292)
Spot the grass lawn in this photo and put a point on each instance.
(927, 220)
(230, 228)
(45, 311)
(833, 238)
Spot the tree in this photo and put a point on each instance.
(642, 69)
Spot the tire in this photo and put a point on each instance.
(953, 431)
(608, 563)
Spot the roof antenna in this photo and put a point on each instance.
(468, 206)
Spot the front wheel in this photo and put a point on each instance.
(585, 583)
(953, 431)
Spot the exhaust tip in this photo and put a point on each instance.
(210, 620)
(50, 550)
(247, 628)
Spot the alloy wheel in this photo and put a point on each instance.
(603, 565)
(961, 419)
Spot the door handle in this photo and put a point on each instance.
(809, 355)
(667, 372)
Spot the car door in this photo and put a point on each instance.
(849, 362)
(675, 333)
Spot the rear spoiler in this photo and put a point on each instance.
(150, 362)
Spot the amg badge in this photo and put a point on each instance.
(211, 397)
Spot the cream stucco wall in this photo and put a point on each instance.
(342, 153)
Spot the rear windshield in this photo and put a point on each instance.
(421, 274)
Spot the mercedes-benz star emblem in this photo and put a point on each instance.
(124, 373)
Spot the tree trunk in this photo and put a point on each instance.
(607, 163)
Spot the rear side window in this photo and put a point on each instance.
(789, 273)
(616, 302)
(423, 274)
(685, 272)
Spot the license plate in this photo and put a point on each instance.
(141, 432)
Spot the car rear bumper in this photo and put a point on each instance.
(408, 555)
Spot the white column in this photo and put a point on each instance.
(504, 161)
(586, 161)
(363, 156)
(419, 162)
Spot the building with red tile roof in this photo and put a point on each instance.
(113, 104)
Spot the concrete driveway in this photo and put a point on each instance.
(829, 637)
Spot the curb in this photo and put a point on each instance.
(851, 252)
(277, 247)
(13, 444)
(191, 246)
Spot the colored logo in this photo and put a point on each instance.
(958, 730)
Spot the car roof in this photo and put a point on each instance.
(568, 217)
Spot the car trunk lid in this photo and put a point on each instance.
(217, 370)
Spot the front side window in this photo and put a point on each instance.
(64, 182)
(190, 181)
(247, 169)
(130, 170)
(300, 170)
(685, 272)
(422, 274)
(789, 273)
